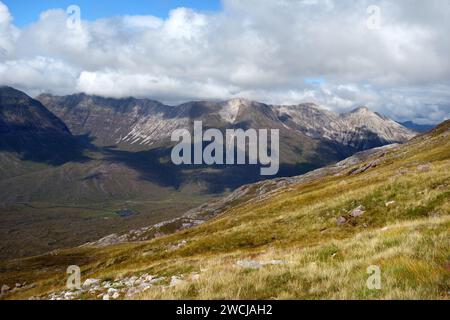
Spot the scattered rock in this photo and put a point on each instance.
(148, 278)
(180, 245)
(195, 276)
(424, 168)
(365, 167)
(112, 291)
(70, 295)
(5, 289)
(252, 264)
(390, 204)
(175, 281)
(276, 262)
(127, 287)
(402, 172)
(157, 280)
(249, 264)
(358, 212)
(131, 292)
(341, 221)
(89, 283)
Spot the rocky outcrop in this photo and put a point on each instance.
(125, 288)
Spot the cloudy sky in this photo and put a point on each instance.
(392, 55)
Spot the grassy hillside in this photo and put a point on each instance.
(299, 242)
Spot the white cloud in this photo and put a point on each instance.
(8, 33)
(255, 49)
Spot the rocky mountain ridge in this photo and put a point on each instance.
(149, 123)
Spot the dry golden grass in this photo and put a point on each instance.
(410, 256)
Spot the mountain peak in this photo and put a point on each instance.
(239, 101)
(231, 108)
(6, 91)
(362, 109)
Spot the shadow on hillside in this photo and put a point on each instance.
(156, 166)
(47, 147)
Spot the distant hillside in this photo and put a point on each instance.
(314, 236)
(422, 128)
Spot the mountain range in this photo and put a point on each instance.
(81, 167)
(143, 124)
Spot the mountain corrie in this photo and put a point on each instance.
(236, 148)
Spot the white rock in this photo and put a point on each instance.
(106, 297)
(340, 221)
(112, 291)
(175, 281)
(195, 276)
(358, 212)
(146, 287)
(90, 282)
(5, 289)
(424, 168)
(156, 280)
(249, 264)
(149, 278)
(70, 295)
(390, 203)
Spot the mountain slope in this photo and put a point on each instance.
(309, 237)
(108, 121)
(32, 131)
